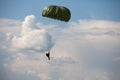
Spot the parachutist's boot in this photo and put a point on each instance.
(48, 55)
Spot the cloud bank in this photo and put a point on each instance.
(32, 38)
(83, 50)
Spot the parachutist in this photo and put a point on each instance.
(48, 55)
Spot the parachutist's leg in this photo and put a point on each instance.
(48, 58)
(48, 55)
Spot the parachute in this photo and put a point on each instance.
(57, 12)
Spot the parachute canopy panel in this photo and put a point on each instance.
(57, 12)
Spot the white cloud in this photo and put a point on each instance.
(116, 59)
(92, 28)
(9, 25)
(96, 24)
(32, 38)
(85, 50)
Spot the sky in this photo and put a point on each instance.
(80, 9)
(85, 48)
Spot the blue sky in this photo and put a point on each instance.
(80, 9)
(85, 48)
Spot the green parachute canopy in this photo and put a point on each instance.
(57, 12)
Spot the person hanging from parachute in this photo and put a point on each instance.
(48, 55)
(56, 12)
